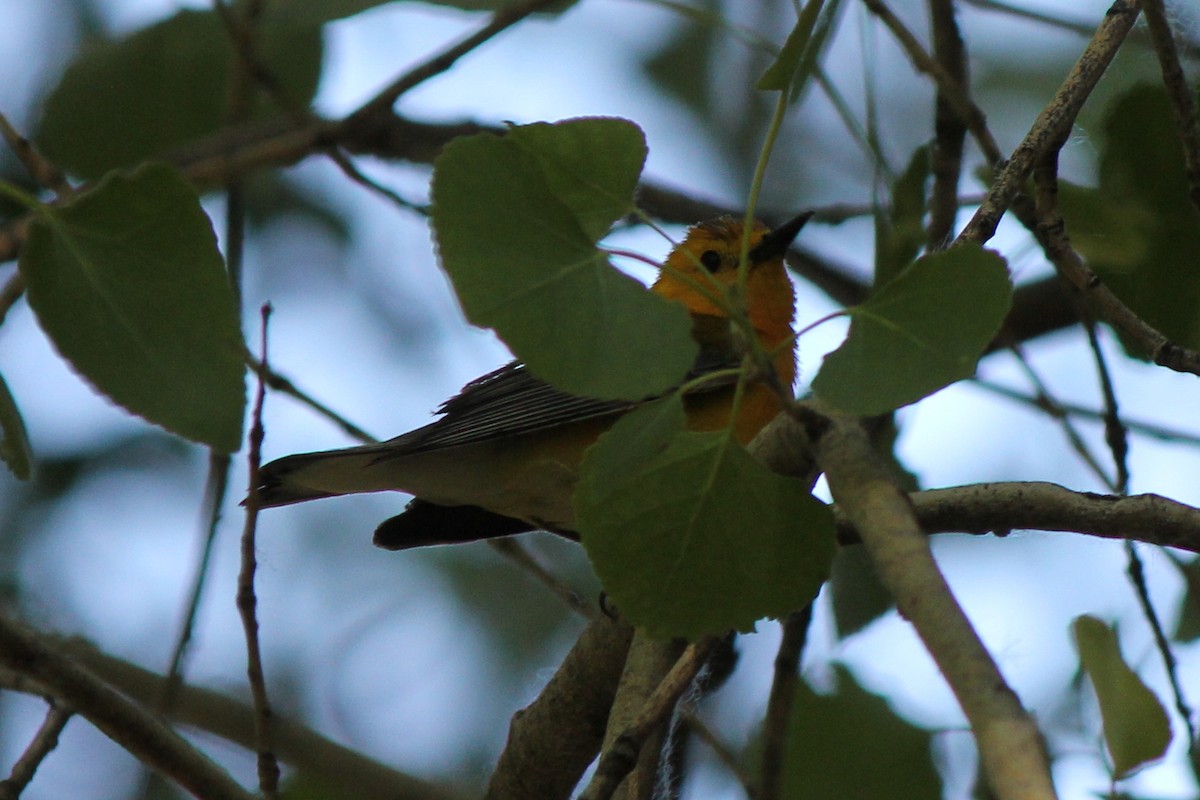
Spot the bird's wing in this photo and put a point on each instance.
(512, 401)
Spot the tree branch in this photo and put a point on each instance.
(129, 725)
(233, 721)
(42, 744)
(554, 739)
(949, 128)
(1055, 122)
(626, 739)
(1002, 508)
(1010, 745)
(778, 718)
(1183, 103)
(1053, 235)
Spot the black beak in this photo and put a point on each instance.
(777, 242)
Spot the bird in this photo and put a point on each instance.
(504, 454)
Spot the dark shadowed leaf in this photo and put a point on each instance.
(690, 534)
(780, 74)
(851, 744)
(858, 597)
(900, 229)
(131, 99)
(921, 331)
(683, 67)
(127, 281)
(1138, 230)
(15, 449)
(517, 218)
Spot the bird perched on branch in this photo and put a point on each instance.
(504, 456)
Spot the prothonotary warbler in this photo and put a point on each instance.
(504, 456)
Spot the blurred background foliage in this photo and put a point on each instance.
(418, 659)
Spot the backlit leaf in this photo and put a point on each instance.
(1136, 728)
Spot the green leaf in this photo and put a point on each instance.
(127, 281)
(271, 194)
(683, 66)
(1187, 629)
(15, 449)
(128, 100)
(1136, 728)
(900, 234)
(851, 744)
(858, 597)
(690, 534)
(321, 11)
(779, 75)
(1138, 229)
(918, 333)
(517, 218)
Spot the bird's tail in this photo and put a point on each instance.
(423, 524)
(310, 476)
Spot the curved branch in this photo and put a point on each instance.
(127, 724)
(553, 739)
(233, 721)
(1001, 508)
(1011, 750)
(1055, 121)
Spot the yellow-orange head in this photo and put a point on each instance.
(714, 247)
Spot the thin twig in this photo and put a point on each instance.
(1054, 123)
(1117, 436)
(42, 744)
(617, 760)
(1137, 577)
(1151, 429)
(724, 753)
(128, 724)
(1183, 102)
(503, 19)
(242, 27)
(1054, 409)
(232, 719)
(351, 171)
(281, 383)
(949, 129)
(247, 602)
(949, 88)
(39, 168)
(519, 555)
(1116, 433)
(216, 486)
(780, 702)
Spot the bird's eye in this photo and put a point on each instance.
(711, 260)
